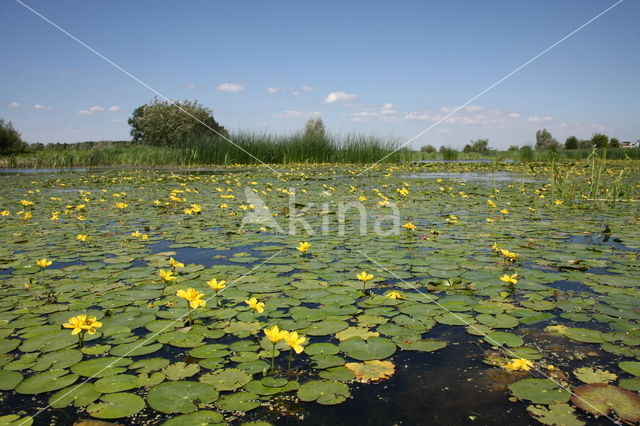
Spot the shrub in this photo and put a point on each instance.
(10, 139)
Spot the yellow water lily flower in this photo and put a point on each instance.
(193, 296)
(364, 276)
(255, 305)
(43, 263)
(558, 202)
(122, 205)
(216, 285)
(303, 246)
(136, 234)
(509, 255)
(394, 295)
(410, 226)
(5, 213)
(175, 264)
(82, 237)
(275, 334)
(504, 212)
(491, 203)
(295, 342)
(509, 279)
(81, 323)
(167, 275)
(518, 364)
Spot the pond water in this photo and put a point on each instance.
(475, 316)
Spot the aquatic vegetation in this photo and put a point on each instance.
(381, 279)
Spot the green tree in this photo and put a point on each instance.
(10, 138)
(513, 148)
(599, 140)
(544, 140)
(164, 123)
(571, 143)
(314, 129)
(614, 143)
(428, 149)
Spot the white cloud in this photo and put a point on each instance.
(14, 105)
(40, 106)
(272, 90)
(473, 108)
(514, 115)
(418, 116)
(536, 119)
(91, 110)
(296, 114)
(296, 93)
(308, 88)
(339, 97)
(114, 108)
(230, 87)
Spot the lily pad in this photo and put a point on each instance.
(204, 417)
(46, 382)
(116, 405)
(180, 370)
(9, 379)
(226, 380)
(239, 401)
(371, 371)
(501, 338)
(594, 375)
(600, 399)
(77, 395)
(555, 415)
(192, 395)
(539, 391)
(324, 392)
(365, 350)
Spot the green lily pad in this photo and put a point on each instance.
(584, 335)
(101, 367)
(180, 370)
(204, 417)
(57, 360)
(46, 382)
(365, 350)
(632, 367)
(77, 395)
(239, 401)
(116, 405)
(324, 328)
(555, 415)
(226, 380)
(501, 338)
(123, 382)
(324, 392)
(539, 391)
(593, 375)
(322, 348)
(193, 395)
(9, 379)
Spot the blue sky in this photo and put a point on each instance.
(390, 69)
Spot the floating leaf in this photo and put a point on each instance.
(539, 391)
(79, 395)
(192, 395)
(9, 379)
(204, 417)
(365, 350)
(226, 380)
(591, 375)
(46, 382)
(555, 415)
(371, 371)
(600, 399)
(324, 392)
(239, 401)
(116, 405)
(632, 367)
(101, 367)
(501, 338)
(180, 370)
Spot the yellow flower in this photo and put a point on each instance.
(504, 211)
(82, 237)
(27, 216)
(167, 275)
(275, 334)
(294, 341)
(255, 305)
(394, 295)
(509, 279)
(121, 205)
(489, 220)
(303, 247)
(495, 248)
(26, 203)
(43, 263)
(216, 285)
(5, 213)
(558, 202)
(175, 264)
(491, 203)
(136, 234)
(362, 198)
(193, 296)
(364, 276)
(509, 254)
(403, 191)
(518, 364)
(410, 226)
(82, 323)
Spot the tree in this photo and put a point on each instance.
(10, 138)
(164, 123)
(480, 145)
(513, 148)
(614, 143)
(544, 140)
(599, 140)
(428, 148)
(571, 143)
(314, 129)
